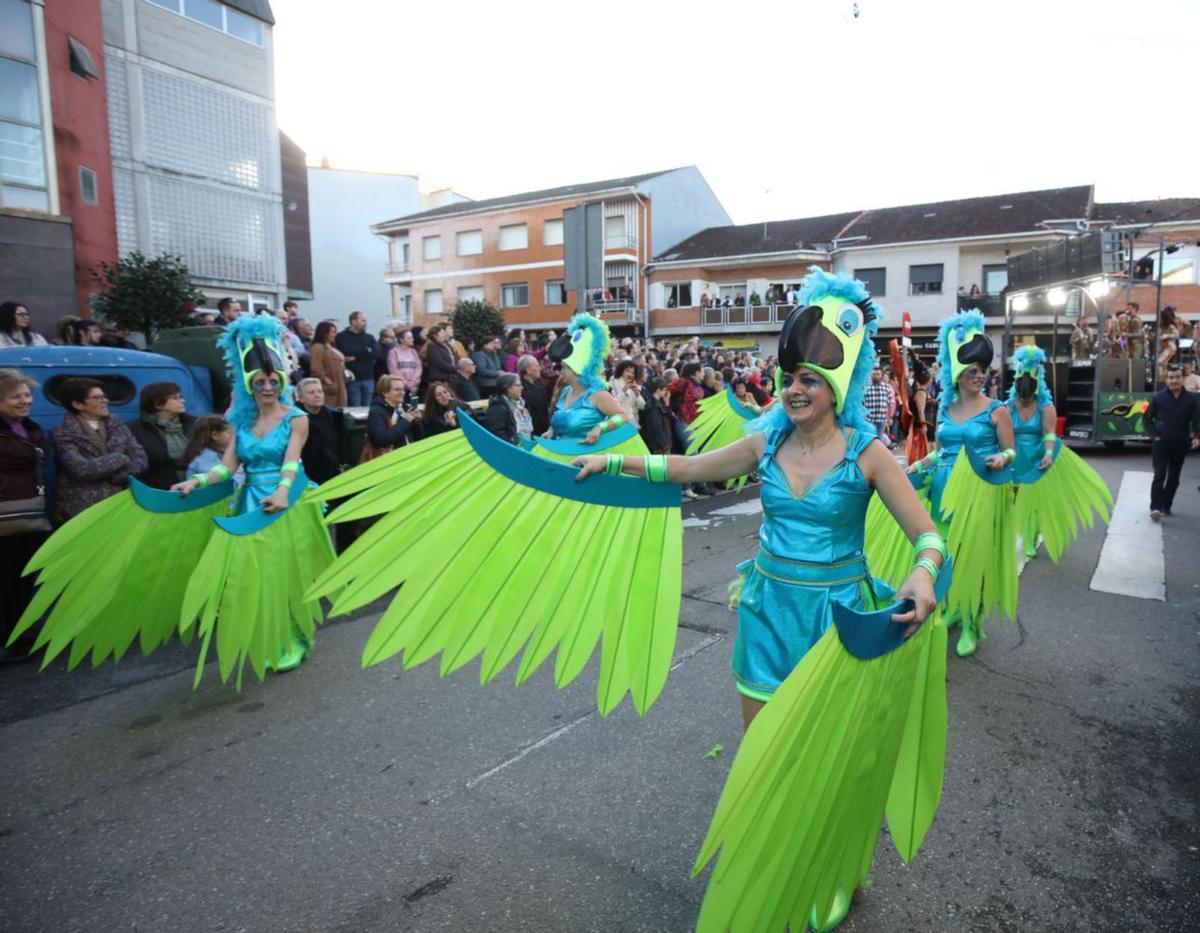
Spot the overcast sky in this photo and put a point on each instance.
(789, 109)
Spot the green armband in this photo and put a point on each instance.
(292, 465)
(1008, 454)
(930, 541)
(1049, 437)
(222, 471)
(614, 464)
(286, 482)
(201, 480)
(929, 565)
(611, 423)
(656, 468)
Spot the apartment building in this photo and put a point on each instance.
(509, 250)
(195, 146)
(915, 258)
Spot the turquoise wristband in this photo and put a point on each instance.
(929, 566)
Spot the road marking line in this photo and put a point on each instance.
(1131, 560)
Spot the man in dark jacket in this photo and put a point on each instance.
(488, 365)
(1173, 421)
(657, 418)
(463, 383)
(361, 351)
(327, 451)
(533, 391)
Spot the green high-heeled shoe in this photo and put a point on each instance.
(968, 640)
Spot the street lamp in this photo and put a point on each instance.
(1057, 297)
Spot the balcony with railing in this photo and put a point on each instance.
(987, 304)
(744, 315)
(398, 267)
(615, 307)
(620, 241)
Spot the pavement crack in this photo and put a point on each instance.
(1029, 681)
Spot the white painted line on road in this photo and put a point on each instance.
(1131, 561)
(748, 507)
(563, 730)
(693, 522)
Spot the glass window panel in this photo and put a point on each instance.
(207, 12)
(431, 247)
(244, 27)
(552, 233)
(515, 236)
(22, 159)
(16, 29)
(19, 91)
(875, 279)
(172, 5)
(555, 293)
(471, 293)
(29, 199)
(470, 243)
(433, 301)
(995, 278)
(515, 295)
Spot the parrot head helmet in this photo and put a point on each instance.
(829, 332)
(963, 344)
(253, 346)
(1029, 375)
(583, 349)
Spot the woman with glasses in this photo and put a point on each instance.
(95, 453)
(14, 327)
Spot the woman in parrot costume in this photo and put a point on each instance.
(461, 533)
(968, 484)
(838, 731)
(200, 558)
(586, 417)
(1057, 493)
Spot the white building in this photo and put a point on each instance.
(196, 152)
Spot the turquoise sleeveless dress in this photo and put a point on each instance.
(810, 555)
(978, 432)
(571, 425)
(1027, 439)
(262, 458)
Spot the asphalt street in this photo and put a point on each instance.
(333, 798)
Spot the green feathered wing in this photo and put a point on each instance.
(1066, 499)
(982, 541)
(889, 550)
(113, 573)
(248, 591)
(720, 422)
(840, 742)
(493, 568)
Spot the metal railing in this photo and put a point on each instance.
(626, 312)
(395, 268)
(987, 304)
(737, 315)
(620, 241)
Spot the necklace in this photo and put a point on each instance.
(806, 449)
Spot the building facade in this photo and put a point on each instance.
(195, 146)
(509, 250)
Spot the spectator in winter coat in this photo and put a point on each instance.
(361, 350)
(439, 414)
(95, 453)
(627, 392)
(533, 392)
(463, 382)
(326, 452)
(506, 415)
(657, 418)
(514, 349)
(488, 365)
(327, 364)
(404, 362)
(387, 423)
(440, 361)
(14, 327)
(163, 430)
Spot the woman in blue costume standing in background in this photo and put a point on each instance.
(819, 463)
(586, 417)
(970, 495)
(1056, 491)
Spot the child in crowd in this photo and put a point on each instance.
(211, 434)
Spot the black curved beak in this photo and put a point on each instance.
(805, 340)
(262, 358)
(560, 349)
(976, 350)
(1026, 386)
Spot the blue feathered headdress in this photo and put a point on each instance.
(820, 284)
(962, 324)
(591, 343)
(243, 413)
(1030, 361)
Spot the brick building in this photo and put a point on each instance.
(509, 250)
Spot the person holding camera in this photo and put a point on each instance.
(389, 422)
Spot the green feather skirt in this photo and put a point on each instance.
(842, 743)
(982, 542)
(717, 425)
(1065, 500)
(489, 568)
(113, 573)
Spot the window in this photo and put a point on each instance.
(16, 30)
(433, 301)
(23, 176)
(1179, 271)
(614, 232)
(556, 294)
(678, 294)
(87, 186)
(875, 279)
(732, 293)
(217, 16)
(470, 293)
(19, 92)
(515, 236)
(552, 233)
(925, 280)
(431, 247)
(995, 278)
(82, 63)
(470, 242)
(514, 295)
